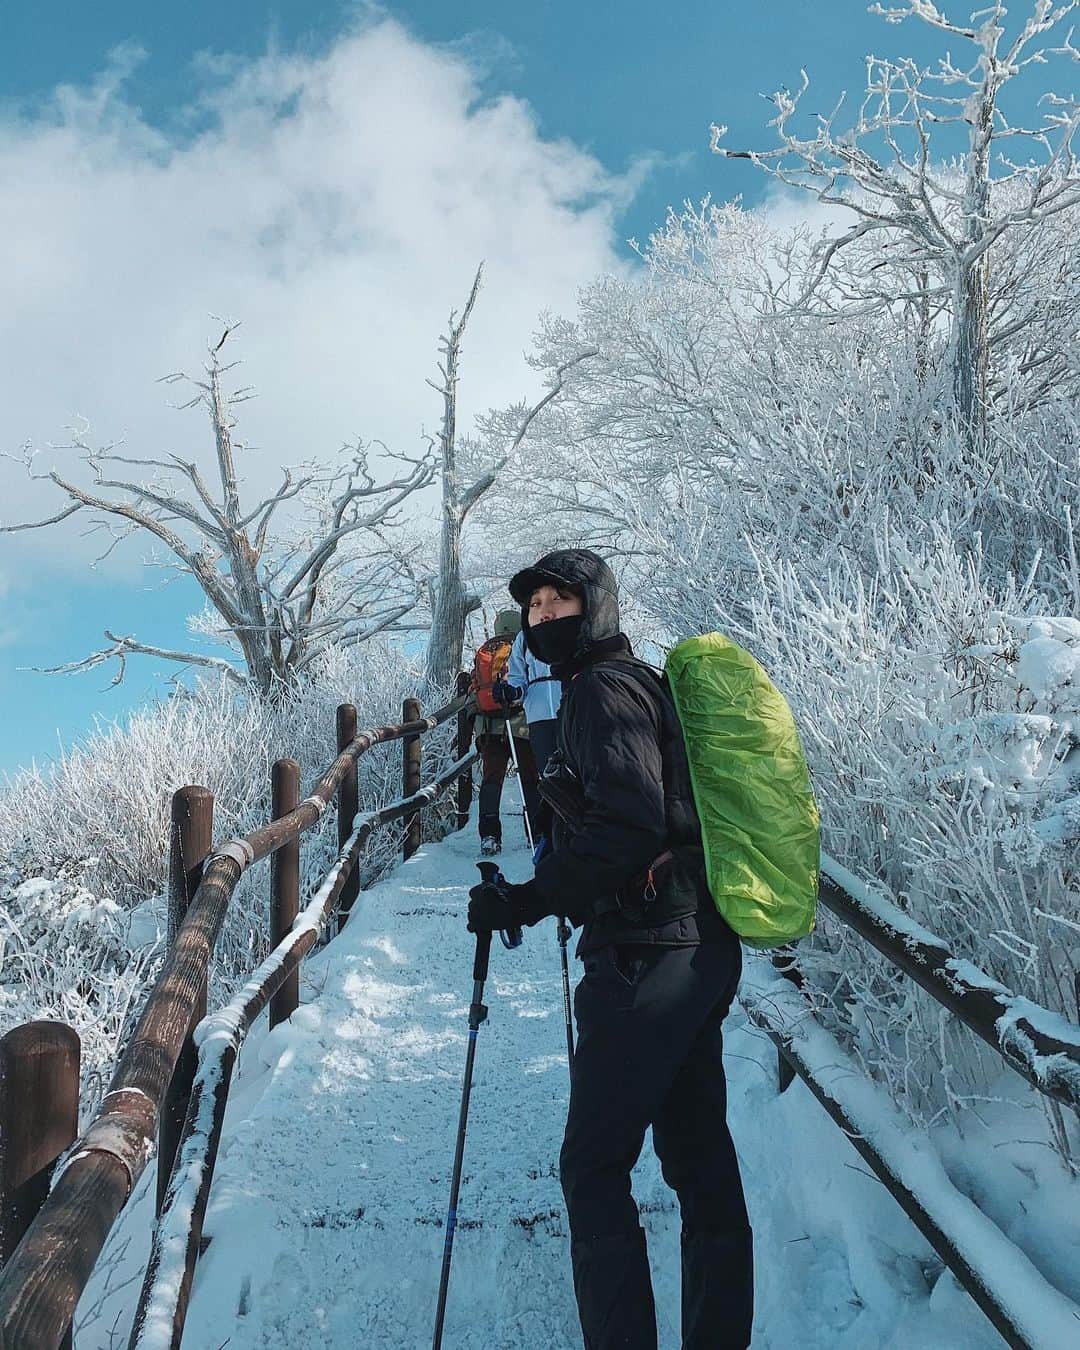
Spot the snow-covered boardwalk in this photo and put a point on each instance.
(325, 1221)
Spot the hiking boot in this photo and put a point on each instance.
(489, 846)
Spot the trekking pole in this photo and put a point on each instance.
(563, 931)
(477, 1014)
(521, 786)
(511, 937)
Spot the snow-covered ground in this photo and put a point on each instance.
(325, 1222)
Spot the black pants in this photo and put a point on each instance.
(649, 1053)
(494, 759)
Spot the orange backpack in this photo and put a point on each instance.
(489, 665)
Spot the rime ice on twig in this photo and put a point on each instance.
(936, 229)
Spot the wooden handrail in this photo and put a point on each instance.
(1039, 1045)
(984, 1260)
(159, 1320)
(42, 1283)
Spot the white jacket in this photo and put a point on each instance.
(543, 692)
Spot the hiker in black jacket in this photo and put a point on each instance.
(661, 968)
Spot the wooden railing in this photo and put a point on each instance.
(1026, 1036)
(167, 1077)
(1028, 1312)
(174, 1077)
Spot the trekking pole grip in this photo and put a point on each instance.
(489, 872)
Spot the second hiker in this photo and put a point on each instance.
(529, 682)
(497, 720)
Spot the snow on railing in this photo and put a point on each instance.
(1027, 1311)
(41, 1283)
(160, 1316)
(1040, 1045)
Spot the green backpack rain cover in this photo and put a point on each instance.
(759, 820)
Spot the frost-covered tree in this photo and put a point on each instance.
(708, 400)
(934, 222)
(279, 601)
(470, 465)
(716, 409)
(783, 472)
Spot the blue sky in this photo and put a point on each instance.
(618, 77)
(121, 118)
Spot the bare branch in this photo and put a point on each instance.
(123, 646)
(171, 505)
(382, 624)
(200, 564)
(41, 524)
(472, 494)
(199, 484)
(394, 492)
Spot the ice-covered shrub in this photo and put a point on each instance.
(83, 846)
(941, 721)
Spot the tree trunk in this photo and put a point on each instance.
(969, 353)
(447, 642)
(970, 335)
(452, 605)
(923, 327)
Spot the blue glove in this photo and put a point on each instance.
(542, 849)
(506, 694)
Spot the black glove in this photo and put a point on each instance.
(506, 694)
(503, 904)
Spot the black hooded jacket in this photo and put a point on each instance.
(619, 784)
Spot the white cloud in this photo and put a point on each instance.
(338, 204)
(787, 209)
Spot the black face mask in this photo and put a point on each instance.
(555, 640)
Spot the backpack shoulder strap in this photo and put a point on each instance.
(681, 811)
(643, 675)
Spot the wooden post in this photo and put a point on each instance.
(410, 775)
(348, 805)
(191, 838)
(784, 1072)
(464, 737)
(783, 958)
(284, 883)
(39, 1119)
